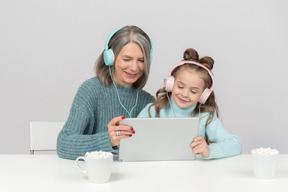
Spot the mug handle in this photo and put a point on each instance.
(78, 165)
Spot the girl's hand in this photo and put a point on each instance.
(113, 127)
(199, 145)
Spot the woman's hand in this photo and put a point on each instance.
(114, 127)
(199, 145)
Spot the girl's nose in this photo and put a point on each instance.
(185, 92)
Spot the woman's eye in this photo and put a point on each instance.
(126, 59)
(142, 61)
(180, 87)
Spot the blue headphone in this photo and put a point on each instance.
(108, 54)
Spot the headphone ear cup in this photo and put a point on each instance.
(169, 84)
(206, 93)
(108, 57)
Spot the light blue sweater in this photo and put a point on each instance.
(93, 108)
(223, 143)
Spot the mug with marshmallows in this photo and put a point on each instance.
(98, 166)
(264, 162)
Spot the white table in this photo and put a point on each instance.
(50, 173)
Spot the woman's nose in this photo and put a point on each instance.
(134, 65)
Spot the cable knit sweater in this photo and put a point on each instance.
(93, 108)
(223, 143)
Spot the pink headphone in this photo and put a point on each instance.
(170, 80)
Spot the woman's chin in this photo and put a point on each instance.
(131, 80)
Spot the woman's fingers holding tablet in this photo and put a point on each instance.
(118, 132)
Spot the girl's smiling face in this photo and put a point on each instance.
(187, 88)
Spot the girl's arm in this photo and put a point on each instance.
(223, 143)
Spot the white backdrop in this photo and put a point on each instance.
(48, 48)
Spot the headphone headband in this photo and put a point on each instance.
(109, 37)
(108, 54)
(170, 80)
(195, 63)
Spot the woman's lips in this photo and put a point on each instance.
(131, 75)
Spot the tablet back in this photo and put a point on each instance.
(159, 139)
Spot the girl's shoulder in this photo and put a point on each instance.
(145, 111)
(204, 116)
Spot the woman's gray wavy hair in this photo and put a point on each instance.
(126, 35)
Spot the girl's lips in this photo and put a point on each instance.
(181, 100)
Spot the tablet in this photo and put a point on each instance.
(159, 139)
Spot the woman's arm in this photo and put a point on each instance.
(74, 140)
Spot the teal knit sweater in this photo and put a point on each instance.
(93, 108)
(223, 143)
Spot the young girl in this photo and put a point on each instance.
(189, 92)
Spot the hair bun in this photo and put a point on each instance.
(191, 54)
(207, 62)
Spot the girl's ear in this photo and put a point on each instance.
(205, 95)
(169, 83)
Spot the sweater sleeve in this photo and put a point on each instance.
(77, 136)
(72, 141)
(223, 143)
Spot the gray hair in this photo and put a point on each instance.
(126, 35)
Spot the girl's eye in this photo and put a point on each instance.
(126, 59)
(141, 60)
(180, 87)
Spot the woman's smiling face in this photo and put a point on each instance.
(129, 65)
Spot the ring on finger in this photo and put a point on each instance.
(117, 133)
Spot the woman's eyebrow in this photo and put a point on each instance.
(127, 56)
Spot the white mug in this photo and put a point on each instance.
(264, 162)
(98, 169)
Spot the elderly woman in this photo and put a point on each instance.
(113, 94)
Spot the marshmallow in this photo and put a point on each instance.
(98, 154)
(265, 151)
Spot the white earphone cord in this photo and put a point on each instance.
(129, 113)
(170, 104)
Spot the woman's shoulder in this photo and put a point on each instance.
(92, 82)
(144, 99)
(146, 94)
(91, 85)
(89, 88)
(142, 91)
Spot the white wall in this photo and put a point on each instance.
(48, 48)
